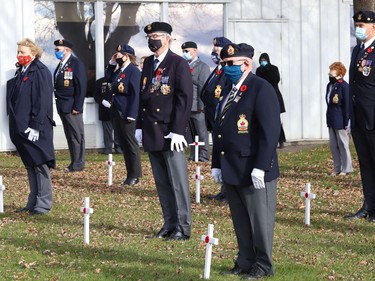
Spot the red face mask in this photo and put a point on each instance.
(24, 60)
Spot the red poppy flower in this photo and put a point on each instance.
(369, 50)
(218, 72)
(158, 72)
(191, 70)
(243, 88)
(340, 81)
(69, 69)
(25, 78)
(122, 75)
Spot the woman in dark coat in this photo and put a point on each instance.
(29, 107)
(270, 72)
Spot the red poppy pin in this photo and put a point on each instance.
(340, 80)
(191, 70)
(122, 75)
(369, 50)
(243, 88)
(218, 72)
(158, 72)
(25, 78)
(69, 69)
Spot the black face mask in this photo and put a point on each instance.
(154, 45)
(119, 61)
(332, 80)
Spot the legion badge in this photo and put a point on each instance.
(217, 91)
(118, 48)
(149, 27)
(66, 83)
(335, 99)
(230, 50)
(121, 88)
(215, 41)
(243, 125)
(165, 89)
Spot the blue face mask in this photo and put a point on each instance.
(215, 58)
(59, 55)
(263, 63)
(233, 73)
(187, 55)
(360, 33)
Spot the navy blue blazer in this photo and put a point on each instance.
(249, 133)
(362, 85)
(29, 104)
(166, 100)
(337, 115)
(103, 91)
(70, 86)
(125, 88)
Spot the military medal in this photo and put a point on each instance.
(243, 124)
(121, 88)
(66, 83)
(104, 87)
(335, 99)
(165, 89)
(366, 67)
(217, 91)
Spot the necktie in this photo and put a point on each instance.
(156, 61)
(59, 69)
(227, 105)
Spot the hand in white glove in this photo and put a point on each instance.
(257, 176)
(176, 140)
(216, 174)
(106, 103)
(33, 134)
(138, 135)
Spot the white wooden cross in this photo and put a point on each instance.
(308, 197)
(86, 210)
(2, 188)
(198, 177)
(209, 240)
(110, 164)
(196, 145)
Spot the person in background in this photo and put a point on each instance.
(124, 76)
(30, 111)
(244, 158)
(70, 92)
(166, 99)
(103, 96)
(271, 73)
(210, 95)
(362, 113)
(200, 72)
(337, 116)
(141, 62)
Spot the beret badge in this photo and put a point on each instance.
(149, 27)
(360, 17)
(61, 41)
(230, 50)
(215, 41)
(119, 48)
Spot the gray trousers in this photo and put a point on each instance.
(171, 178)
(253, 214)
(199, 128)
(40, 196)
(75, 136)
(109, 137)
(339, 145)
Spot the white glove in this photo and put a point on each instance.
(33, 134)
(216, 174)
(138, 135)
(257, 176)
(106, 103)
(176, 140)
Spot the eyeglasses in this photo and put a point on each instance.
(230, 62)
(154, 35)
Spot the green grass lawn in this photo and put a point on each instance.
(51, 247)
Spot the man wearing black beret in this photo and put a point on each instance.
(200, 72)
(361, 90)
(166, 99)
(244, 159)
(70, 92)
(210, 94)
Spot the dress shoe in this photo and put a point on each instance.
(131, 181)
(236, 270)
(71, 170)
(23, 210)
(361, 214)
(218, 197)
(255, 273)
(371, 218)
(178, 236)
(281, 145)
(36, 212)
(163, 233)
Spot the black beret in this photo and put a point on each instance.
(124, 48)
(221, 41)
(63, 42)
(234, 50)
(364, 16)
(158, 27)
(189, 44)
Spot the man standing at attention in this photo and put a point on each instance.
(244, 158)
(70, 91)
(200, 72)
(362, 117)
(165, 104)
